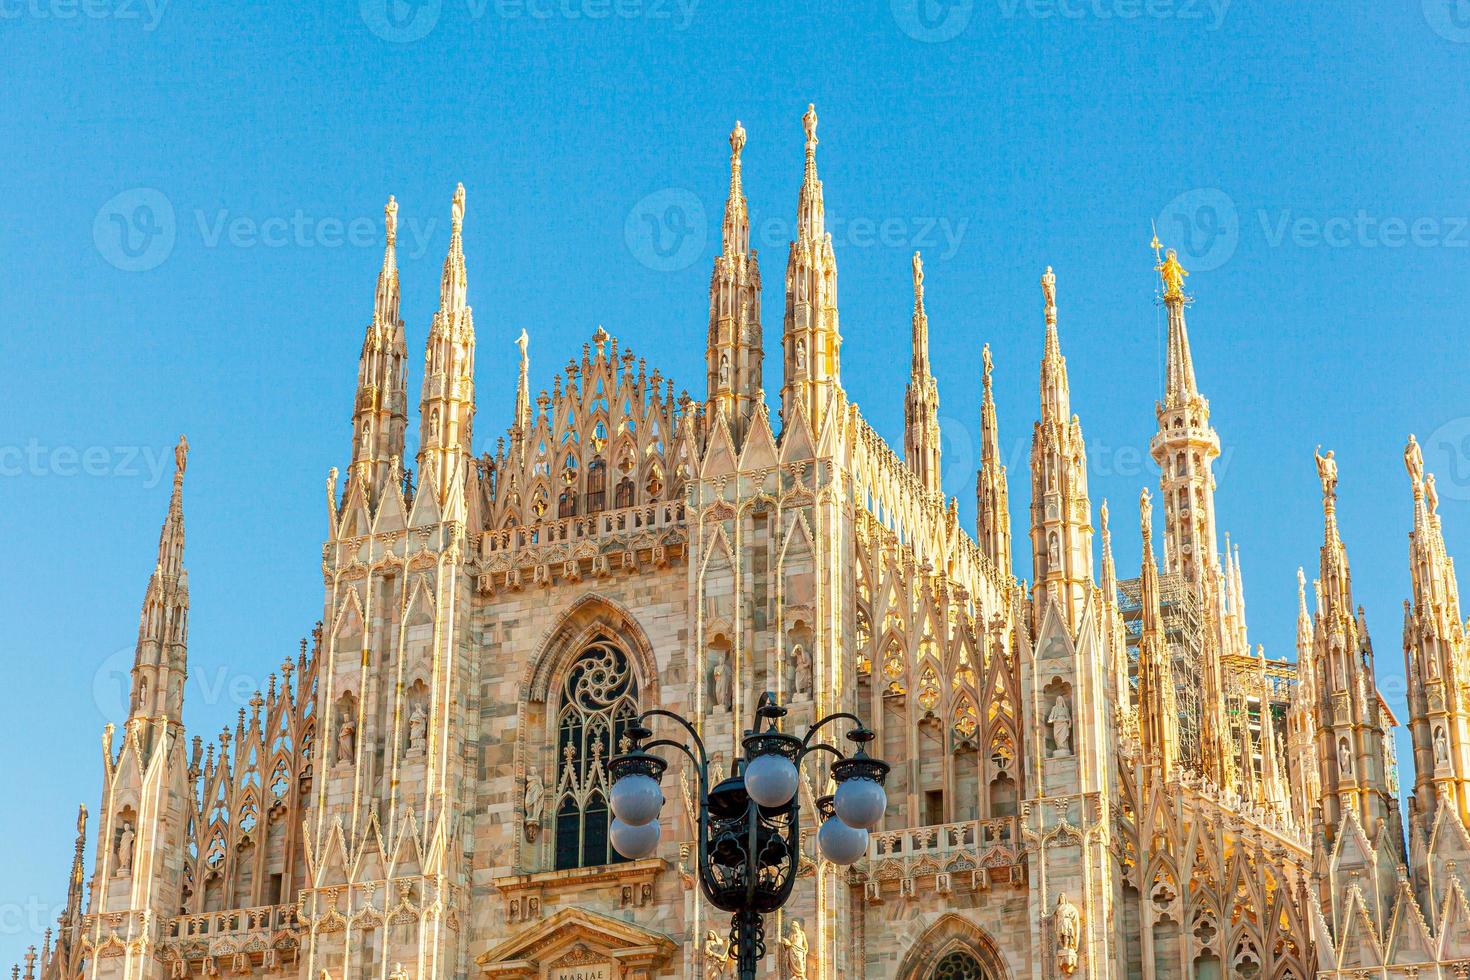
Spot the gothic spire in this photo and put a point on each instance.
(523, 388)
(160, 659)
(1434, 652)
(454, 283)
(1157, 704)
(447, 404)
(1185, 446)
(735, 348)
(1061, 513)
(1353, 724)
(1179, 386)
(1056, 405)
(385, 302)
(811, 340)
(380, 412)
(991, 495)
(921, 402)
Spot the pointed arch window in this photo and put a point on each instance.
(599, 702)
(959, 965)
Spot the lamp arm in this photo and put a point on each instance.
(703, 759)
(819, 747)
(828, 720)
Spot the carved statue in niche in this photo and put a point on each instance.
(721, 683)
(140, 700)
(802, 661)
(346, 742)
(1060, 720)
(1344, 757)
(724, 370)
(1066, 923)
(1053, 551)
(800, 356)
(717, 961)
(1441, 746)
(125, 842)
(794, 952)
(417, 727)
(535, 802)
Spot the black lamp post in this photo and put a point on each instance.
(749, 832)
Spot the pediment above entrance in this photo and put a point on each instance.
(578, 944)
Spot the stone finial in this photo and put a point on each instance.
(456, 210)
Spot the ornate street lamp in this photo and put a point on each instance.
(749, 826)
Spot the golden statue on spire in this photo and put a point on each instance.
(737, 140)
(1169, 270)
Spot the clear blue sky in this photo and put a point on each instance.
(1309, 160)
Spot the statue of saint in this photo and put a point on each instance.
(535, 802)
(417, 728)
(1344, 757)
(125, 843)
(1060, 720)
(717, 960)
(1441, 746)
(1066, 922)
(800, 355)
(803, 669)
(724, 370)
(794, 952)
(721, 687)
(1414, 460)
(346, 742)
(1327, 472)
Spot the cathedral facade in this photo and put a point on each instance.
(1093, 777)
